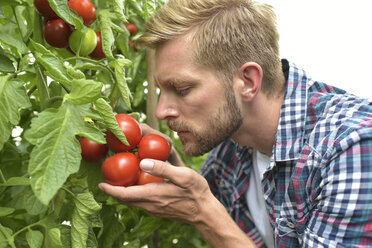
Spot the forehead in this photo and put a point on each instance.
(173, 62)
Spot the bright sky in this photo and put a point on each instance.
(330, 39)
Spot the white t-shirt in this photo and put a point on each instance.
(255, 199)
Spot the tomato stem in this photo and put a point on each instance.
(2, 176)
(26, 228)
(40, 80)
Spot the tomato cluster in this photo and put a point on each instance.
(123, 168)
(60, 34)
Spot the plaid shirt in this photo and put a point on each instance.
(318, 186)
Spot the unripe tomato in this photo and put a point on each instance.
(85, 9)
(86, 41)
(45, 10)
(98, 51)
(145, 178)
(153, 146)
(92, 151)
(121, 169)
(131, 130)
(133, 29)
(57, 33)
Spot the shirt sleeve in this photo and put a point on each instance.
(342, 210)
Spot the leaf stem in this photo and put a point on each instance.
(54, 99)
(26, 227)
(2, 176)
(40, 80)
(9, 238)
(17, 21)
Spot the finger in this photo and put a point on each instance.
(127, 194)
(180, 176)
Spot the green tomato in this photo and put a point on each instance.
(87, 42)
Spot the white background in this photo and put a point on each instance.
(330, 39)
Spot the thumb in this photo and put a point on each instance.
(175, 174)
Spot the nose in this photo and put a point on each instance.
(166, 108)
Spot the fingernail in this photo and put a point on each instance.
(147, 165)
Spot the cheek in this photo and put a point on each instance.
(202, 104)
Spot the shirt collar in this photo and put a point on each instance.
(290, 132)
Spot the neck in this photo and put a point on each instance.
(261, 118)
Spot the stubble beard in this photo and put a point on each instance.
(220, 126)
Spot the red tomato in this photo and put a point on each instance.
(145, 178)
(92, 151)
(45, 10)
(121, 169)
(153, 146)
(131, 130)
(85, 9)
(98, 51)
(133, 45)
(133, 29)
(57, 33)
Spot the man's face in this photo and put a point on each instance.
(198, 105)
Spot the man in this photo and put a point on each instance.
(290, 162)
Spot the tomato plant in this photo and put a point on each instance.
(121, 169)
(85, 9)
(153, 146)
(145, 178)
(92, 151)
(98, 51)
(85, 43)
(57, 33)
(131, 130)
(45, 10)
(132, 28)
(49, 195)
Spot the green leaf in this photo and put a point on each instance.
(23, 18)
(16, 181)
(122, 42)
(113, 227)
(118, 6)
(84, 91)
(51, 63)
(109, 119)
(134, 244)
(13, 42)
(149, 8)
(6, 211)
(106, 32)
(119, 68)
(53, 238)
(85, 205)
(6, 64)
(12, 97)
(34, 238)
(61, 8)
(136, 6)
(27, 200)
(57, 151)
(5, 235)
(74, 73)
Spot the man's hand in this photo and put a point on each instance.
(184, 197)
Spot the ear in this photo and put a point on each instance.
(250, 76)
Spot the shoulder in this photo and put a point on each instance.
(336, 120)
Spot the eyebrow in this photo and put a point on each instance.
(174, 82)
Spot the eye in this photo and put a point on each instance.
(182, 91)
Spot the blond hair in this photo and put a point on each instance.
(224, 35)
